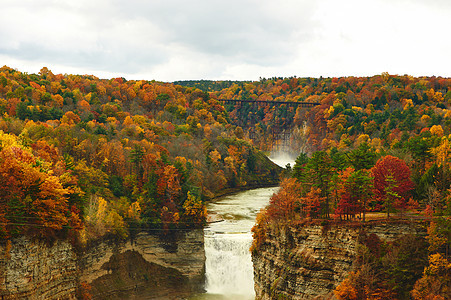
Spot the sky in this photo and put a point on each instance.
(169, 40)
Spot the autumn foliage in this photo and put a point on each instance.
(33, 198)
(112, 157)
(87, 157)
(371, 145)
(436, 280)
(283, 204)
(391, 173)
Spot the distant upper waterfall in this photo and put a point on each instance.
(281, 158)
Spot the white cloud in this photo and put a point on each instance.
(216, 39)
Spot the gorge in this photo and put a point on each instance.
(112, 164)
(293, 262)
(146, 265)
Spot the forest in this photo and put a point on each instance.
(376, 150)
(83, 157)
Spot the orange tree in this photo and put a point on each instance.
(32, 199)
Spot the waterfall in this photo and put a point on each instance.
(228, 265)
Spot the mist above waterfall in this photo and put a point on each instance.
(282, 158)
(289, 144)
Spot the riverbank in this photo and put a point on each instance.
(231, 191)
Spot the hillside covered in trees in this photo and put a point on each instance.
(377, 149)
(387, 109)
(85, 156)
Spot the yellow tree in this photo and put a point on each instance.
(31, 195)
(436, 281)
(195, 211)
(437, 130)
(443, 162)
(442, 152)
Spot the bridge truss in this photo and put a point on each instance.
(271, 102)
(279, 136)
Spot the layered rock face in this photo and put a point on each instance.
(310, 261)
(145, 267)
(35, 270)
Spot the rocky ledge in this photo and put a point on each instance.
(36, 270)
(145, 267)
(309, 262)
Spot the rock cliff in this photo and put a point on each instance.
(35, 270)
(310, 261)
(145, 267)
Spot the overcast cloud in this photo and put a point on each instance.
(171, 40)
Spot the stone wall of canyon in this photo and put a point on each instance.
(147, 266)
(309, 262)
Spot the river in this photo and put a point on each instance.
(228, 265)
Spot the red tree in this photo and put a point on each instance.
(311, 203)
(394, 171)
(282, 204)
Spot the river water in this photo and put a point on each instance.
(228, 266)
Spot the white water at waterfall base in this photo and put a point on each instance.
(228, 265)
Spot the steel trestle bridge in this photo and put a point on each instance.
(270, 102)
